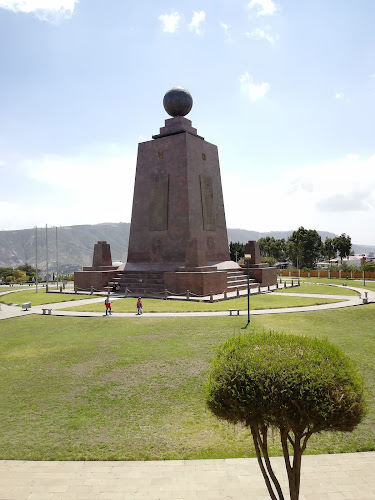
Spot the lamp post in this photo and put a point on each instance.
(247, 259)
(36, 259)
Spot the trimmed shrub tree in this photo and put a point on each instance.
(296, 385)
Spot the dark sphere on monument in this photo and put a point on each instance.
(177, 101)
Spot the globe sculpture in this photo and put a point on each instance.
(178, 102)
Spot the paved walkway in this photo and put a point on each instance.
(346, 301)
(325, 477)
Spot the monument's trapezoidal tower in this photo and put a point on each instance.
(178, 220)
(178, 236)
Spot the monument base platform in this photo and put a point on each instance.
(263, 274)
(97, 279)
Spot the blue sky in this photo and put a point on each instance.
(286, 90)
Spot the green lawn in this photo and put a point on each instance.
(40, 298)
(310, 287)
(133, 388)
(336, 281)
(264, 301)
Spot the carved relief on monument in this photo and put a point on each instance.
(156, 246)
(207, 198)
(158, 215)
(210, 243)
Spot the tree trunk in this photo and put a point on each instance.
(262, 445)
(284, 433)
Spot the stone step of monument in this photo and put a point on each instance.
(134, 279)
(237, 280)
(140, 283)
(240, 282)
(242, 287)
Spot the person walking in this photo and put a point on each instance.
(108, 309)
(139, 306)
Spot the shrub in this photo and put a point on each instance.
(269, 260)
(295, 384)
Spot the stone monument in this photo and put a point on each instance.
(100, 273)
(178, 223)
(178, 235)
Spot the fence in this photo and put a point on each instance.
(327, 274)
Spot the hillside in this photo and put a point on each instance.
(76, 243)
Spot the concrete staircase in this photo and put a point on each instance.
(151, 283)
(238, 279)
(140, 283)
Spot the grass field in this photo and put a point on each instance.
(319, 289)
(264, 301)
(40, 298)
(336, 281)
(133, 389)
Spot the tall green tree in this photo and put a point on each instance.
(5, 272)
(236, 250)
(329, 250)
(271, 247)
(265, 246)
(343, 245)
(304, 247)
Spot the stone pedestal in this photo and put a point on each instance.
(100, 273)
(259, 271)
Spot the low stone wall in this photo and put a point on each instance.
(84, 280)
(197, 283)
(264, 275)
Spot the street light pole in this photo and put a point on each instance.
(247, 259)
(36, 259)
(47, 280)
(57, 263)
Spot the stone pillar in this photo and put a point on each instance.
(102, 255)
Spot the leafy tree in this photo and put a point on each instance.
(304, 247)
(5, 271)
(329, 250)
(269, 260)
(19, 275)
(270, 247)
(295, 385)
(265, 246)
(29, 270)
(278, 250)
(368, 266)
(343, 245)
(236, 247)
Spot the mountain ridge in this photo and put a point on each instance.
(76, 244)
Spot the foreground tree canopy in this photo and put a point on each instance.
(297, 385)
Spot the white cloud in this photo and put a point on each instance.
(337, 196)
(263, 7)
(252, 90)
(262, 34)
(170, 22)
(339, 95)
(95, 184)
(45, 10)
(227, 30)
(197, 19)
